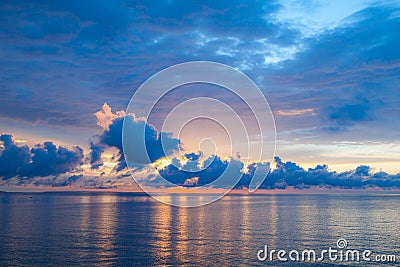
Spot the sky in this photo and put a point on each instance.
(330, 71)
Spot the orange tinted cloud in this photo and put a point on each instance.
(294, 112)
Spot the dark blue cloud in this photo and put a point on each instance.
(86, 21)
(70, 180)
(208, 172)
(12, 157)
(42, 160)
(234, 19)
(112, 137)
(343, 115)
(48, 159)
(74, 56)
(290, 174)
(193, 156)
(286, 174)
(362, 170)
(349, 74)
(96, 151)
(349, 113)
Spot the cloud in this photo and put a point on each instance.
(12, 157)
(98, 22)
(344, 115)
(105, 116)
(286, 174)
(70, 180)
(41, 160)
(290, 174)
(201, 174)
(48, 160)
(110, 137)
(350, 78)
(294, 112)
(158, 145)
(191, 181)
(193, 170)
(96, 150)
(68, 58)
(193, 156)
(71, 71)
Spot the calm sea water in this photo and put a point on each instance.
(128, 229)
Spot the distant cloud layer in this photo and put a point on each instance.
(194, 172)
(46, 159)
(41, 160)
(286, 174)
(199, 174)
(290, 174)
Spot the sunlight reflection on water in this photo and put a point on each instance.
(132, 229)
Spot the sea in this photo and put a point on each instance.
(133, 229)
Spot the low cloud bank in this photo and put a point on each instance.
(286, 174)
(41, 160)
(24, 163)
(291, 174)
